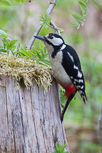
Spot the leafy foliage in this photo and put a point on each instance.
(79, 18)
(7, 3)
(39, 54)
(89, 46)
(59, 148)
(46, 19)
(8, 44)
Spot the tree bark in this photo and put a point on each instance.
(29, 119)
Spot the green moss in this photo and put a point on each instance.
(26, 69)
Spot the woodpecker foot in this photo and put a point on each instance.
(51, 74)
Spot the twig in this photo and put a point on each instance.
(49, 10)
(55, 27)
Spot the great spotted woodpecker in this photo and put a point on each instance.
(66, 67)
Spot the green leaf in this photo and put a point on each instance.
(22, 1)
(74, 22)
(82, 23)
(18, 46)
(3, 32)
(78, 15)
(24, 52)
(86, 84)
(4, 36)
(78, 26)
(59, 148)
(84, 14)
(73, 25)
(13, 48)
(39, 56)
(85, 1)
(18, 1)
(61, 30)
(12, 42)
(3, 50)
(46, 62)
(5, 2)
(46, 19)
(30, 51)
(83, 5)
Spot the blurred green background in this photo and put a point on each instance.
(20, 21)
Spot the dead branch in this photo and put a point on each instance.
(49, 10)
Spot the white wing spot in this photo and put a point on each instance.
(79, 81)
(70, 57)
(75, 67)
(79, 74)
(76, 80)
(81, 87)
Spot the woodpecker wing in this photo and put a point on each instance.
(71, 64)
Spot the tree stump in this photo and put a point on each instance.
(29, 119)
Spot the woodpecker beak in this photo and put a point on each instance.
(41, 38)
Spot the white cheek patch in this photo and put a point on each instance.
(55, 41)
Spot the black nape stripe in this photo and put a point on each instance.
(53, 54)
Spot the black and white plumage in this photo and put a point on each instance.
(66, 67)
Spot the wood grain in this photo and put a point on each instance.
(29, 119)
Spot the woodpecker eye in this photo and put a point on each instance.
(50, 37)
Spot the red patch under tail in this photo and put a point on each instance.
(69, 89)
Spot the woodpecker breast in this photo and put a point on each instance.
(59, 73)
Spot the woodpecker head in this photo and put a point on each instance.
(52, 39)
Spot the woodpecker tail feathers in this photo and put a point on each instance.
(83, 95)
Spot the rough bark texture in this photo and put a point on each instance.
(29, 119)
